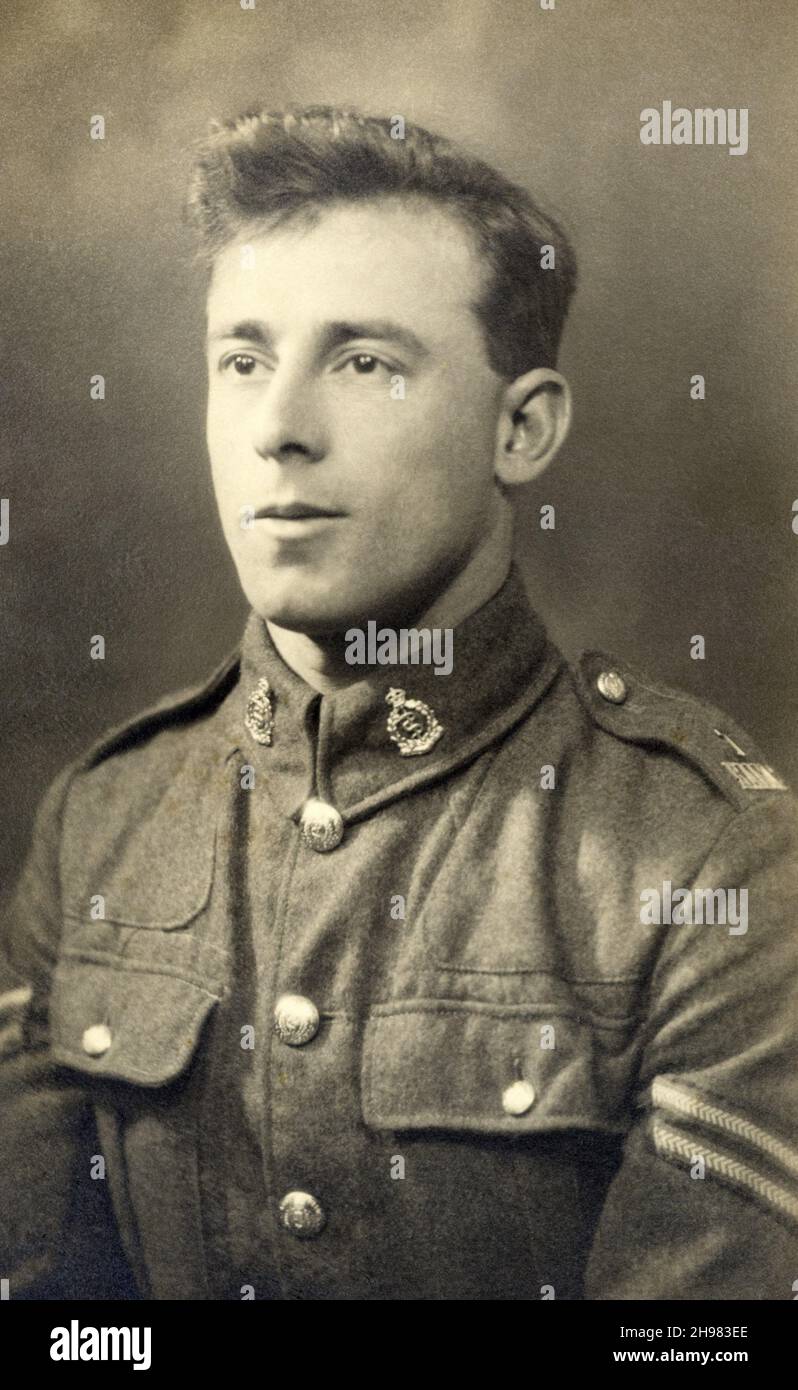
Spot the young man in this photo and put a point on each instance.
(340, 981)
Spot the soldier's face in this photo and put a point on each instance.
(351, 397)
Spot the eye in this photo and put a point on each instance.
(366, 364)
(242, 363)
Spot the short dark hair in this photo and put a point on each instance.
(273, 166)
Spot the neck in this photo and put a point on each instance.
(319, 660)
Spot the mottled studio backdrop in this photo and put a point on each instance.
(673, 516)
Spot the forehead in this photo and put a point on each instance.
(409, 261)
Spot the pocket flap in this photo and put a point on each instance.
(437, 1064)
(125, 1022)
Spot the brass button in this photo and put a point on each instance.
(301, 1214)
(518, 1098)
(296, 1019)
(97, 1039)
(321, 826)
(612, 687)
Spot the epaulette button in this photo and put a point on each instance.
(612, 687)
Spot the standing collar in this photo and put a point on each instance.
(339, 746)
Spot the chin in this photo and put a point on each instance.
(314, 607)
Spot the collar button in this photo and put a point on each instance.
(321, 826)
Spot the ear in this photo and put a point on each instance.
(534, 420)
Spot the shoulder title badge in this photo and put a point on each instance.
(755, 777)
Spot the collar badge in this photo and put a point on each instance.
(412, 725)
(259, 719)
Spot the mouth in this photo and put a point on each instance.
(296, 511)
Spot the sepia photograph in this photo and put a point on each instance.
(398, 546)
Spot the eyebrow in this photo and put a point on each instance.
(333, 334)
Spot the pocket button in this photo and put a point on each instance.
(518, 1098)
(96, 1040)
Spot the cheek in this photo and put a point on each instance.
(429, 458)
(230, 476)
(219, 428)
(453, 414)
(229, 488)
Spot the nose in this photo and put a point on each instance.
(288, 419)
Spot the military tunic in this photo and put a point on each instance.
(306, 1002)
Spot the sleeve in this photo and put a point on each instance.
(57, 1234)
(704, 1204)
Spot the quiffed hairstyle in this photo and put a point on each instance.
(268, 167)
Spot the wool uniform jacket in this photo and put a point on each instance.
(384, 994)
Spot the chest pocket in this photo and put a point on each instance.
(138, 848)
(131, 1005)
(489, 1069)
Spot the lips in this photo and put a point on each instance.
(296, 511)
